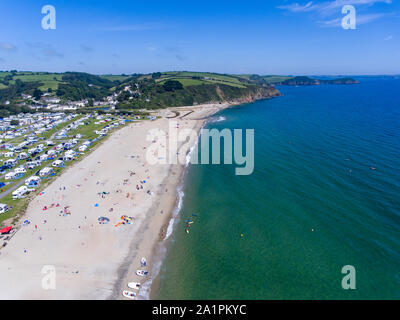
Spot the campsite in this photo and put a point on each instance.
(35, 147)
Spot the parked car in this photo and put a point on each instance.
(3, 208)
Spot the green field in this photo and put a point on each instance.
(52, 80)
(112, 77)
(48, 80)
(186, 78)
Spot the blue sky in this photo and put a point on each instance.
(264, 37)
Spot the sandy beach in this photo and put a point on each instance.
(92, 260)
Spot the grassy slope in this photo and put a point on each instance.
(206, 78)
(49, 80)
(52, 80)
(199, 87)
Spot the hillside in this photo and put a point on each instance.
(21, 91)
(167, 89)
(136, 91)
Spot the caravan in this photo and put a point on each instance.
(10, 163)
(58, 163)
(13, 175)
(20, 192)
(46, 171)
(43, 157)
(51, 153)
(20, 170)
(22, 156)
(83, 148)
(32, 181)
(69, 155)
(32, 164)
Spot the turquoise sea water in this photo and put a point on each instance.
(314, 149)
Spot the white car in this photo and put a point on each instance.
(3, 208)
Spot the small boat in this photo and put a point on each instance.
(143, 262)
(187, 230)
(134, 285)
(142, 273)
(129, 294)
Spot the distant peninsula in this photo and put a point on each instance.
(307, 81)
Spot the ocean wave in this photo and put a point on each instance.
(161, 251)
(219, 119)
(175, 213)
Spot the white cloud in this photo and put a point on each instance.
(328, 7)
(295, 7)
(323, 10)
(6, 46)
(360, 19)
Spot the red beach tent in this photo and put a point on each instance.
(5, 230)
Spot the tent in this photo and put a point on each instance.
(5, 230)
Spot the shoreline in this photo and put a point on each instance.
(92, 260)
(159, 248)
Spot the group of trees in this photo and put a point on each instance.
(37, 94)
(78, 91)
(13, 91)
(88, 79)
(79, 86)
(156, 75)
(9, 77)
(7, 110)
(172, 85)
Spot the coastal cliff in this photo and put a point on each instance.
(250, 95)
(204, 94)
